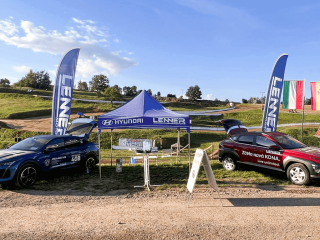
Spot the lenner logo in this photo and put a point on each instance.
(272, 111)
(167, 120)
(122, 121)
(64, 104)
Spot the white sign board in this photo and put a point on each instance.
(201, 157)
(194, 170)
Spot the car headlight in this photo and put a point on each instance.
(316, 168)
(7, 163)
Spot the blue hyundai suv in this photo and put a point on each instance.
(23, 162)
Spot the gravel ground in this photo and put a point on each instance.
(261, 212)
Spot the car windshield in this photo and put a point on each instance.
(288, 142)
(31, 144)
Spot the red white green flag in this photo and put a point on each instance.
(293, 94)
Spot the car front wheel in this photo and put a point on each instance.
(298, 174)
(26, 176)
(90, 164)
(228, 163)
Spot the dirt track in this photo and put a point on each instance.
(265, 212)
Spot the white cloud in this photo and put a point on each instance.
(6, 26)
(83, 21)
(22, 69)
(208, 97)
(93, 57)
(130, 53)
(116, 40)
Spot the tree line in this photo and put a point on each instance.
(99, 84)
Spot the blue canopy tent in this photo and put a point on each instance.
(143, 111)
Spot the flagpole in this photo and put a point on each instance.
(304, 87)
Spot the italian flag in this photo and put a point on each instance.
(315, 97)
(293, 94)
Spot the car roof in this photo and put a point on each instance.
(52, 136)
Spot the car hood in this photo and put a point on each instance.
(11, 154)
(311, 151)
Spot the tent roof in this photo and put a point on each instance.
(143, 106)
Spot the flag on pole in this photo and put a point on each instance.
(315, 96)
(293, 94)
(273, 99)
(62, 94)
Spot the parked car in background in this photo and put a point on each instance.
(23, 162)
(272, 150)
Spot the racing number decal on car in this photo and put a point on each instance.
(75, 158)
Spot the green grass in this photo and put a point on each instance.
(169, 177)
(24, 106)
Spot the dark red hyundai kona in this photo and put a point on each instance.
(272, 150)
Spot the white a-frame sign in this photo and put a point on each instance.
(201, 157)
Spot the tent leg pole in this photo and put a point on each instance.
(111, 147)
(99, 155)
(178, 147)
(189, 152)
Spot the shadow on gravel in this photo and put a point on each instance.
(274, 202)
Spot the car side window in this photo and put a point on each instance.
(248, 139)
(56, 143)
(264, 142)
(72, 142)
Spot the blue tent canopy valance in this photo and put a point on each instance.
(143, 112)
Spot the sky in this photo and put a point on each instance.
(227, 48)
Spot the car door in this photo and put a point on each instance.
(59, 157)
(245, 148)
(267, 154)
(76, 149)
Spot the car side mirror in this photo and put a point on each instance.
(274, 147)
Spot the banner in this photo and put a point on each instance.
(315, 96)
(293, 94)
(272, 104)
(62, 94)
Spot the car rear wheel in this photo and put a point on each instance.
(228, 163)
(90, 164)
(26, 176)
(298, 174)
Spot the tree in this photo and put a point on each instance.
(4, 82)
(134, 90)
(113, 94)
(158, 94)
(82, 86)
(36, 80)
(171, 95)
(149, 91)
(99, 83)
(127, 91)
(244, 100)
(307, 101)
(119, 89)
(194, 93)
